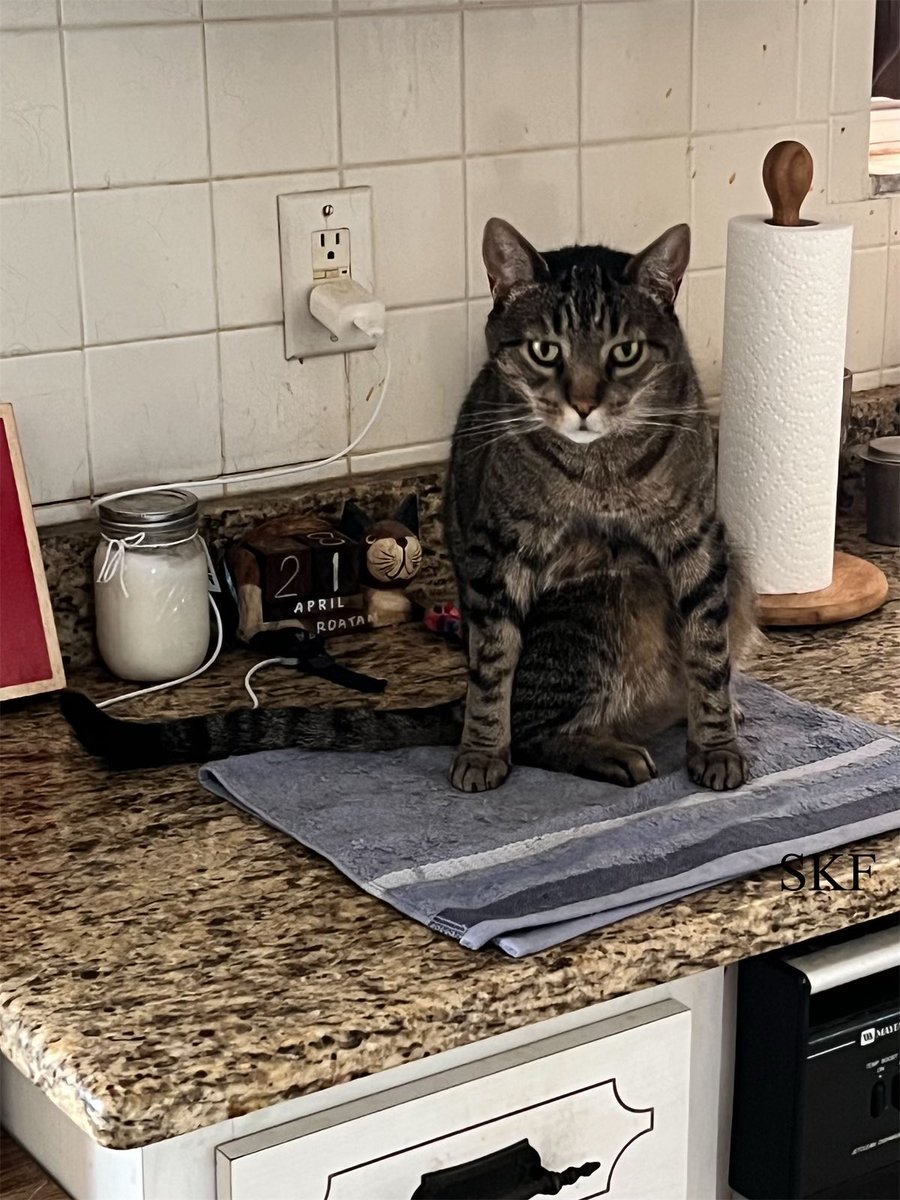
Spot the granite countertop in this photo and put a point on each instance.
(170, 962)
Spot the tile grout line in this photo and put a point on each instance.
(798, 60)
(579, 115)
(220, 391)
(687, 134)
(464, 166)
(339, 147)
(86, 407)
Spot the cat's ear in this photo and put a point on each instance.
(408, 514)
(509, 258)
(660, 268)
(354, 521)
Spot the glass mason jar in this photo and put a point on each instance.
(151, 586)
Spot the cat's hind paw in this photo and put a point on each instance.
(478, 771)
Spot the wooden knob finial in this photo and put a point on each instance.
(787, 176)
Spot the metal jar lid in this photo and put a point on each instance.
(882, 450)
(160, 516)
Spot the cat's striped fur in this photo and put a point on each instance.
(598, 589)
(128, 744)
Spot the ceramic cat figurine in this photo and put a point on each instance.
(601, 598)
(391, 557)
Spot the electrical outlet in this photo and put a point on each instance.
(331, 253)
(317, 232)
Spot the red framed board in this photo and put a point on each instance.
(30, 661)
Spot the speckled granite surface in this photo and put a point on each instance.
(170, 962)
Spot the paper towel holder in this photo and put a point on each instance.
(857, 586)
(787, 177)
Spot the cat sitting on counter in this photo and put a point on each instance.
(601, 599)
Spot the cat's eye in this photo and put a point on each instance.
(626, 355)
(545, 354)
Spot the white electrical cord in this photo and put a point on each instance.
(270, 472)
(267, 473)
(266, 662)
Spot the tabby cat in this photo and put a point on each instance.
(600, 597)
(595, 579)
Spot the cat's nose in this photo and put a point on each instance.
(401, 542)
(583, 405)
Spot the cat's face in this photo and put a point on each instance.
(587, 355)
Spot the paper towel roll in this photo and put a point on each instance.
(786, 292)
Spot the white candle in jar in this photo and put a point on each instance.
(150, 594)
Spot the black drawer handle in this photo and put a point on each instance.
(513, 1173)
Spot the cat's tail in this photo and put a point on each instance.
(128, 744)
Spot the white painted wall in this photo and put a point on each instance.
(143, 142)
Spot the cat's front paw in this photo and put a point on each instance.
(720, 768)
(478, 771)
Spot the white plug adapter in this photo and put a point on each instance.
(343, 305)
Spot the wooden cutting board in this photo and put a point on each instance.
(857, 587)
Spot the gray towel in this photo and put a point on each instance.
(548, 856)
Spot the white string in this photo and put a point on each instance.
(266, 662)
(271, 472)
(159, 687)
(116, 549)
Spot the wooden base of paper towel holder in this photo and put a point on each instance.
(857, 587)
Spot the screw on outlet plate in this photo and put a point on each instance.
(327, 210)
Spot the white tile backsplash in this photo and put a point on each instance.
(271, 96)
(633, 191)
(848, 169)
(33, 150)
(248, 254)
(387, 5)
(146, 262)
(183, 120)
(891, 355)
(814, 47)
(47, 394)
(400, 86)
(429, 453)
(213, 9)
(275, 411)
(865, 323)
(726, 180)
(478, 315)
(870, 220)
(704, 327)
(127, 12)
(536, 192)
(128, 89)
(28, 14)
(534, 47)
(854, 35)
(429, 379)
(419, 227)
(744, 74)
(636, 70)
(38, 287)
(153, 412)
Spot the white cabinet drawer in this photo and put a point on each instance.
(613, 1093)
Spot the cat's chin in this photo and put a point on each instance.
(583, 436)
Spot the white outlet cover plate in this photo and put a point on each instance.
(300, 214)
